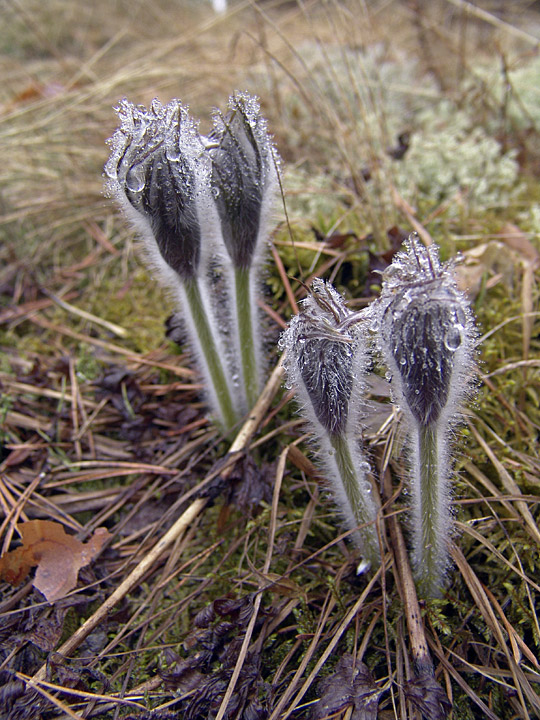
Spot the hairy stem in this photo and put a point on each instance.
(209, 352)
(248, 353)
(360, 501)
(431, 521)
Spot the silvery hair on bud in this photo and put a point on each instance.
(426, 334)
(244, 177)
(325, 361)
(159, 176)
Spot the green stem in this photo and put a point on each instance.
(431, 526)
(363, 508)
(248, 355)
(210, 353)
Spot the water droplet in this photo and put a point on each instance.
(403, 361)
(111, 168)
(173, 152)
(135, 178)
(452, 338)
(374, 325)
(363, 566)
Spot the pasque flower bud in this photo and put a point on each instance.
(244, 176)
(158, 174)
(426, 335)
(244, 183)
(425, 332)
(322, 361)
(325, 360)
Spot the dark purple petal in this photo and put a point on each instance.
(242, 175)
(172, 212)
(424, 336)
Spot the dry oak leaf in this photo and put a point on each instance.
(59, 557)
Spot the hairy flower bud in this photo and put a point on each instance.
(425, 330)
(426, 335)
(322, 358)
(325, 359)
(244, 176)
(157, 174)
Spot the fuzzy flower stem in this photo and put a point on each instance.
(209, 352)
(362, 510)
(429, 527)
(246, 334)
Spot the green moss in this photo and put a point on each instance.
(136, 303)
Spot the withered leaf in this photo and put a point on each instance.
(427, 695)
(352, 685)
(59, 557)
(182, 674)
(516, 239)
(250, 485)
(48, 630)
(214, 646)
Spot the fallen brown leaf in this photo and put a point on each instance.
(518, 241)
(58, 557)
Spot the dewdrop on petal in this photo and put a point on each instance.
(325, 362)
(157, 175)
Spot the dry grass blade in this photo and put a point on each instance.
(42, 684)
(40, 689)
(482, 602)
(492, 19)
(112, 327)
(422, 690)
(349, 617)
(257, 602)
(509, 484)
(465, 686)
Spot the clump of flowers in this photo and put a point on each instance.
(423, 329)
(202, 206)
